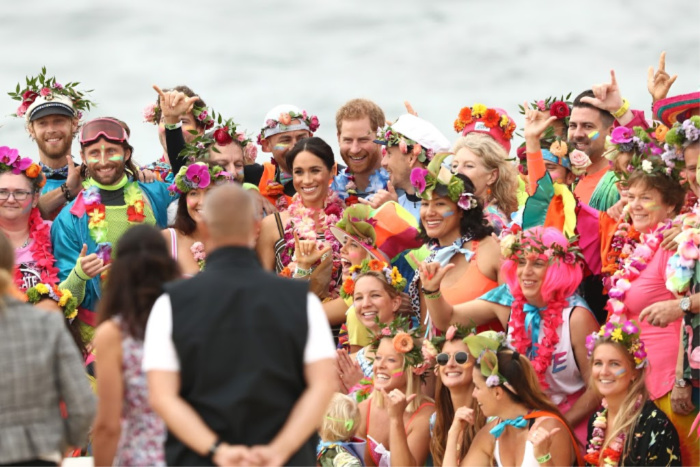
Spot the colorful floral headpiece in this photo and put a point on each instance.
(48, 88)
(559, 107)
(647, 153)
(438, 179)
(485, 346)
(491, 118)
(10, 160)
(565, 154)
(284, 124)
(388, 137)
(391, 274)
(431, 347)
(637, 141)
(197, 176)
(225, 132)
(406, 340)
(684, 133)
(65, 299)
(627, 334)
(527, 244)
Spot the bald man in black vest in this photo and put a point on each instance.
(238, 359)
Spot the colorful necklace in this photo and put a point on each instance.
(612, 453)
(40, 250)
(623, 244)
(344, 184)
(97, 217)
(303, 220)
(632, 267)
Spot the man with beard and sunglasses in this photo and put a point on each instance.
(112, 201)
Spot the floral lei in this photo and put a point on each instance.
(40, 250)
(612, 453)
(633, 266)
(344, 184)
(680, 269)
(97, 216)
(301, 220)
(623, 244)
(65, 299)
(199, 254)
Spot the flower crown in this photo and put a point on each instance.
(389, 137)
(683, 133)
(431, 347)
(517, 246)
(406, 341)
(391, 274)
(559, 107)
(197, 176)
(284, 123)
(438, 179)
(564, 154)
(490, 117)
(65, 299)
(225, 132)
(627, 334)
(10, 160)
(485, 346)
(48, 88)
(647, 155)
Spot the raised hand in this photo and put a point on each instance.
(307, 252)
(381, 196)
(174, 104)
(536, 123)
(541, 439)
(607, 95)
(409, 108)
(659, 82)
(431, 274)
(349, 370)
(74, 181)
(396, 402)
(463, 416)
(91, 264)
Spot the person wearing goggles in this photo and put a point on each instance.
(113, 200)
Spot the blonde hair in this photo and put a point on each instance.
(341, 409)
(494, 157)
(412, 387)
(629, 410)
(7, 264)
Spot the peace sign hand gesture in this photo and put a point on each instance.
(174, 104)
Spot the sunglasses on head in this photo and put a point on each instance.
(444, 358)
(105, 128)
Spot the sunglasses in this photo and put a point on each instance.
(102, 127)
(444, 358)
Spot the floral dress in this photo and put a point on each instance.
(143, 432)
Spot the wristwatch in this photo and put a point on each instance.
(681, 383)
(685, 304)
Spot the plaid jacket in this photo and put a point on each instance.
(40, 366)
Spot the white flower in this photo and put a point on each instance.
(647, 166)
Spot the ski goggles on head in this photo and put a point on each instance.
(443, 359)
(105, 128)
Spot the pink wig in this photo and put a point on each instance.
(560, 281)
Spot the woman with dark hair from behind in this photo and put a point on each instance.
(135, 281)
(40, 367)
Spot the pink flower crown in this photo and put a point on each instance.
(559, 107)
(626, 334)
(284, 124)
(11, 161)
(226, 131)
(406, 341)
(48, 88)
(388, 137)
(517, 246)
(197, 176)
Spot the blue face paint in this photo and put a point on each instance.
(448, 214)
(620, 372)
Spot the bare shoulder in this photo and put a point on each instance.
(108, 337)
(582, 318)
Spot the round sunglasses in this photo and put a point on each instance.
(444, 358)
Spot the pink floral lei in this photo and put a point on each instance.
(301, 220)
(40, 250)
(631, 269)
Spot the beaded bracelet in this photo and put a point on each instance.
(545, 458)
(622, 110)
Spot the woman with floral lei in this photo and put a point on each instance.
(375, 288)
(629, 429)
(297, 242)
(528, 429)
(453, 391)
(396, 417)
(453, 224)
(192, 183)
(545, 319)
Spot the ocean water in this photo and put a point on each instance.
(244, 58)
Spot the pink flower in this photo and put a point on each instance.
(569, 258)
(579, 159)
(198, 174)
(621, 135)
(688, 250)
(270, 123)
(21, 165)
(421, 369)
(644, 252)
(540, 105)
(22, 109)
(386, 332)
(403, 147)
(418, 176)
(240, 136)
(251, 152)
(149, 113)
(450, 334)
(8, 155)
(285, 118)
(45, 91)
(417, 149)
(202, 115)
(57, 85)
(197, 250)
(314, 124)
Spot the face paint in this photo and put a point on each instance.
(397, 373)
(448, 214)
(593, 135)
(620, 372)
(651, 206)
(116, 158)
(280, 147)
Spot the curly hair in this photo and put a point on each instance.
(357, 109)
(494, 157)
(471, 222)
(672, 192)
(142, 266)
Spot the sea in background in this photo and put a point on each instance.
(245, 57)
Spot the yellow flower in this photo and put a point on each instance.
(617, 335)
(504, 121)
(478, 110)
(72, 315)
(65, 297)
(42, 289)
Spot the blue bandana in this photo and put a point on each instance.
(533, 320)
(497, 430)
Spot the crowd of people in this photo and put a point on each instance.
(426, 302)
